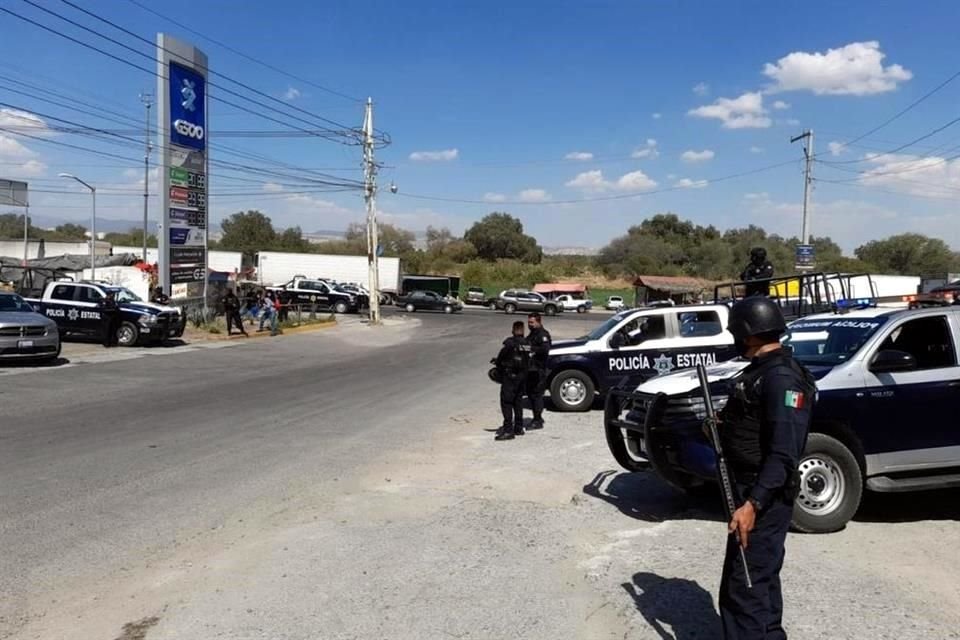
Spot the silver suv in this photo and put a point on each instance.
(514, 300)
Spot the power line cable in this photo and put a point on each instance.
(245, 56)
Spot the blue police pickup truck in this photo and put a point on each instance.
(75, 307)
(634, 346)
(885, 417)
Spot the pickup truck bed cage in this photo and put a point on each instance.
(805, 294)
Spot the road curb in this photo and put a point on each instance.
(264, 334)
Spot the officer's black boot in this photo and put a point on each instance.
(504, 433)
(518, 429)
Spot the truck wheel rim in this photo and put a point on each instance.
(821, 486)
(125, 335)
(572, 391)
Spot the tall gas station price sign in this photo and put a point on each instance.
(183, 125)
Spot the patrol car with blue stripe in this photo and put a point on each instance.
(884, 420)
(634, 346)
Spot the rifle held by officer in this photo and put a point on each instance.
(726, 486)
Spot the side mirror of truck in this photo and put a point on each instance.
(892, 360)
(617, 340)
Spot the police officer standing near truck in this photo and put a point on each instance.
(757, 272)
(539, 339)
(513, 364)
(763, 431)
(110, 319)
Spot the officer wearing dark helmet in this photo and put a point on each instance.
(513, 364)
(540, 341)
(763, 431)
(757, 271)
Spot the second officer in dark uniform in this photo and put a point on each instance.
(763, 429)
(755, 273)
(513, 363)
(540, 341)
(109, 319)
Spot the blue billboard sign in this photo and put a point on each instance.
(187, 108)
(805, 256)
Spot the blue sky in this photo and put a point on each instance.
(581, 118)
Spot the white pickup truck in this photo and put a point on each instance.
(574, 304)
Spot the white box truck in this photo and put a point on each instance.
(278, 267)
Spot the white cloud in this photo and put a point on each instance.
(23, 121)
(29, 169)
(780, 105)
(656, 116)
(687, 183)
(928, 176)
(594, 181)
(494, 197)
(446, 155)
(579, 155)
(756, 149)
(292, 93)
(743, 112)
(854, 69)
(635, 181)
(273, 187)
(701, 89)
(648, 151)
(836, 148)
(10, 148)
(302, 201)
(697, 156)
(534, 195)
(792, 122)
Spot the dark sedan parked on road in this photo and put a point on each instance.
(428, 301)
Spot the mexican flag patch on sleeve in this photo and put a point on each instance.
(793, 399)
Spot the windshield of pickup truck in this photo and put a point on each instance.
(604, 328)
(13, 302)
(124, 295)
(829, 341)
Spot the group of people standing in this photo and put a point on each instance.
(262, 306)
(521, 366)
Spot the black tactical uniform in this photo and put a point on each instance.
(763, 431)
(540, 341)
(109, 319)
(159, 297)
(231, 309)
(757, 271)
(513, 361)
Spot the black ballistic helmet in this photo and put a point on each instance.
(758, 254)
(754, 316)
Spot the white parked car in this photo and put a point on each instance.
(574, 304)
(615, 303)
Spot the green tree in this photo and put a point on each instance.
(500, 236)
(394, 240)
(70, 231)
(291, 239)
(248, 232)
(132, 238)
(909, 254)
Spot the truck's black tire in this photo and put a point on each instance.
(581, 309)
(572, 390)
(127, 334)
(340, 307)
(831, 486)
(550, 310)
(510, 307)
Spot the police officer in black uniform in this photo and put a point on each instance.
(539, 339)
(513, 364)
(159, 297)
(109, 319)
(757, 271)
(231, 310)
(763, 431)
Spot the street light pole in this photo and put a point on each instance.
(147, 101)
(93, 224)
(370, 194)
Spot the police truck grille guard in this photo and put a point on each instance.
(628, 409)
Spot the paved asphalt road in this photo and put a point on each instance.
(344, 484)
(104, 464)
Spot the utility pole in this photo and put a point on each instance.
(147, 100)
(807, 183)
(370, 193)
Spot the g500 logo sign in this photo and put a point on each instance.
(188, 129)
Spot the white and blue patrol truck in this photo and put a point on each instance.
(884, 420)
(633, 346)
